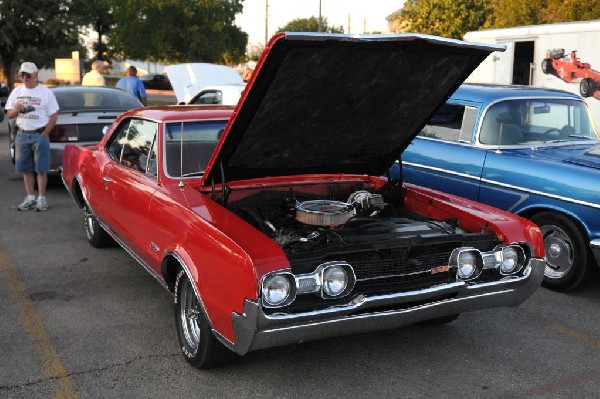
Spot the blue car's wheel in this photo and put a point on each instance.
(568, 260)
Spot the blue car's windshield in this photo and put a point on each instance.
(536, 121)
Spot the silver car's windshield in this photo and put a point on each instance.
(536, 121)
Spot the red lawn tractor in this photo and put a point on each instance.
(571, 68)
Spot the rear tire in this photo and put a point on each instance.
(568, 259)
(96, 235)
(198, 343)
(547, 67)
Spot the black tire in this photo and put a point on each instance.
(96, 235)
(568, 258)
(547, 67)
(587, 87)
(439, 321)
(198, 344)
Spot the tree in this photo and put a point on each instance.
(43, 24)
(570, 10)
(310, 25)
(178, 30)
(508, 13)
(446, 18)
(98, 16)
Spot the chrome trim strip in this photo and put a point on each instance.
(505, 185)
(255, 330)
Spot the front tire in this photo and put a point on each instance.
(587, 87)
(568, 260)
(199, 345)
(96, 235)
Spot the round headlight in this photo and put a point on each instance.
(467, 264)
(511, 260)
(335, 280)
(276, 289)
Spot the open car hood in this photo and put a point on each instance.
(333, 103)
(188, 79)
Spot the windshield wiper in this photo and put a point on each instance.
(579, 136)
(191, 174)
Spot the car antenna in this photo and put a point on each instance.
(180, 185)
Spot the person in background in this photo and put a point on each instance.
(247, 74)
(94, 76)
(132, 84)
(35, 108)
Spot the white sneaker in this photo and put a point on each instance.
(41, 205)
(26, 205)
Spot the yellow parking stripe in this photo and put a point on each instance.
(578, 335)
(38, 336)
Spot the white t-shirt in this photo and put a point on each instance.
(40, 98)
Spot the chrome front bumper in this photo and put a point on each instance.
(255, 330)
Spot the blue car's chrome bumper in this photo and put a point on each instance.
(255, 330)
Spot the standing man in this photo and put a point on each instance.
(133, 85)
(35, 108)
(94, 76)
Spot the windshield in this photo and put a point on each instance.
(189, 146)
(535, 121)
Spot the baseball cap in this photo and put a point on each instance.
(28, 67)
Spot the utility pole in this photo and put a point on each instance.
(319, 27)
(266, 21)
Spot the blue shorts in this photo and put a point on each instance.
(32, 153)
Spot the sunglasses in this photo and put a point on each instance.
(25, 75)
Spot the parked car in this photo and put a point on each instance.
(279, 228)
(156, 81)
(210, 84)
(4, 93)
(84, 112)
(533, 152)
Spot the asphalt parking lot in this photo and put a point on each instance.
(79, 322)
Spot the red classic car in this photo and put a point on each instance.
(270, 222)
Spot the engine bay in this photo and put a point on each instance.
(306, 218)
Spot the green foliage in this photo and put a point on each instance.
(310, 25)
(27, 26)
(446, 18)
(98, 16)
(178, 30)
(453, 19)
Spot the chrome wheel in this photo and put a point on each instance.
(90, 222)
(559, 251)
(189, 315)
(568, 257)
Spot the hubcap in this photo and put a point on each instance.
(189, 315)
(89, 222)
(559, 251)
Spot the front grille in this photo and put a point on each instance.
(397, 264)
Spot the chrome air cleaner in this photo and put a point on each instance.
(323, 212)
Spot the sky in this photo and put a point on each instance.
(364, 15)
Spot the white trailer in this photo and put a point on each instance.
(529, 47)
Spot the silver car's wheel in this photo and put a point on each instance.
(568, 258)
(198, 343)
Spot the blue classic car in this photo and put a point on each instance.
(533, 152)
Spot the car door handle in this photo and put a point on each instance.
(107, 179)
